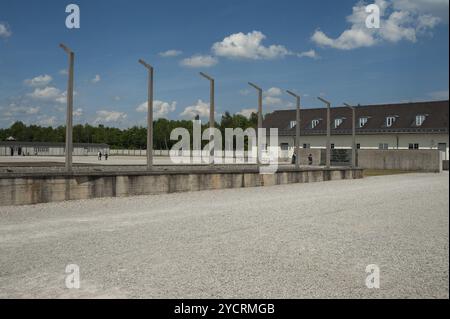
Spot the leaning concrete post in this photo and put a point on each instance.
(260, 121)
(69, 116)
(328, 153)
(353, 134)
(211, 116)
(297, 130)
(149, 115)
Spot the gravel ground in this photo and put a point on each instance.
(287, 241)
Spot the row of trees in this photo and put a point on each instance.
(131, 138)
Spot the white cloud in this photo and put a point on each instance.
(78, 112)
(49, 93)
(63, 72)
(62, 98)
(272, 97)
(244, 92)
(308, 54)
(105, 116)
(248, 46)
(45, 120)
(170, 53)
(247, 112)
(38, 81)
(273, 91)
(15, 110)
(96, 79)
(398, 22)
(5, 31)
(349, 39)
(427, 21)
(199, 61)
(439, 95)
(32, 110)
(160, 108)
(272, 101)
(200, 108)
(437, 8)
(398, 27)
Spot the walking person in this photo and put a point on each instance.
(106, 156)
(310, 159)
(99, 155)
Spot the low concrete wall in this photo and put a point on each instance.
(407, 160)
(53, 187)
(445, 165)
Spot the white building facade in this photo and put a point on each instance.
(17, 148)
(421, 125)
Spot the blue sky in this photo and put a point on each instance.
(311, 47)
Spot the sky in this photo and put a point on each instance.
(315, 48)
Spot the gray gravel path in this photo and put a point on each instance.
(287, 241)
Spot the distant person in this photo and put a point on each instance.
(310, 159)
(294, 158)
(106, 156)
(99, 155)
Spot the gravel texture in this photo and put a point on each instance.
(287, 241)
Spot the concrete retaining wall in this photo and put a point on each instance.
(34, 188)
(407, 160)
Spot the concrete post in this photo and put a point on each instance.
(211, 116)
(297, 130)
(211, 120)
(149, 115)
(69, 116)
(328, 152)
(260, 120)
(353, 137)
(353, 134)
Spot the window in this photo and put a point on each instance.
(363, 121)
(292, 124)
(413, 146)
(314, 123)
(358, 146)
(383, 146)
(390, 120)
(337, 122)
(284, 146)
(41, 149)
(332, 145)
(306, 145)
(420, 119)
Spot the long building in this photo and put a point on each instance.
(17, 148)
(419, 125)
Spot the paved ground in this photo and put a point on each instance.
(287, 241)
(92, 160)
(34, 164)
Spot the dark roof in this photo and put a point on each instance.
(436, 119)
(49, 144)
